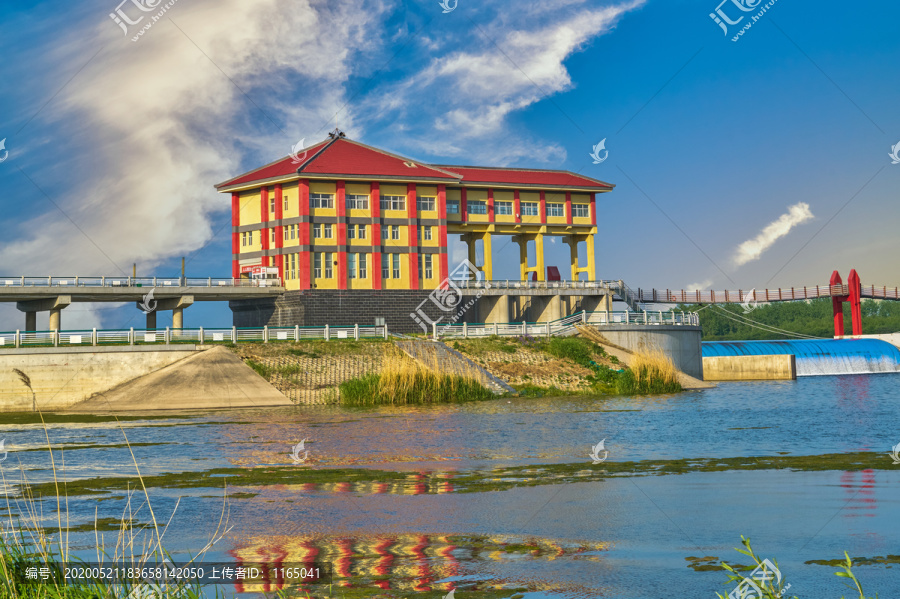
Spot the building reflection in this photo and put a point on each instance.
(410, 562)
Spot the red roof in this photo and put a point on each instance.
(343, 157)
(522, 176)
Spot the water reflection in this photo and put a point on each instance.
(411, 562)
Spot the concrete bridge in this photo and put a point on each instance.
(53, 294)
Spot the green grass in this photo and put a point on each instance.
(423, 388)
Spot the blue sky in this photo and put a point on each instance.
(114, 145)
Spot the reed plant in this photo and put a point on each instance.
(25, 543)
(649, 372)
(404, 380)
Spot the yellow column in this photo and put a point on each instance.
(523, 256)
(592, 271)
(539, 250)
(487, 267)
(572, 241)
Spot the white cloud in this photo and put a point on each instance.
(752, 249)
(701, 286)
(157, 122)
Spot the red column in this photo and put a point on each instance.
(279, 232)
(443, 270)
(517, 206)
(375, 206)
(303, 271)
(855, 306)
(542, 208)
(264, 218)
(235, 236)
(413, 239)
(490, 206)
(341, 239)
(837, 305)
(592, 207)
(463, 205)
(568, 208)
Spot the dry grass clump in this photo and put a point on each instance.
(650, 372)
(404, 380)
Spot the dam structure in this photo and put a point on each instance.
(817, 357)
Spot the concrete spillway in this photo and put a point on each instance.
(818, 356)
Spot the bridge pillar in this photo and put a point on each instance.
(493, 308)
(52, 304)
(151, 321)
(177, 318)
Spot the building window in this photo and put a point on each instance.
(294, 232)
(360, 231)
(361, 261)
(452, 206)
(556, 209)
(317, 231)
(395, 232)
(291, 266)
(321, 200)
(425, 267)
(393, 202)
(327, 229)
(385, 266)
(503, 208)
(396, 261)
(243, 239)
(357, 202)
(351, 232)
(529, 209)
(424, 233)
(284, 202)
(477, 207)
(272, 205)
(351, 265)
(384, 233)
(328, 264)
(272, 236)
(580, 210)
(425, 203)
(317, 265)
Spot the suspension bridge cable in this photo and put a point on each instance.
(764, 327)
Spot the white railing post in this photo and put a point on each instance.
(645, 318)
(234, 335)
(55, 338)
(167, 335)
(201, 335)
(584, 317)
(385, 331)
(131, 336)
(434, 334)
(328, 334)
(18, 338)
(296, 332)
(265, 333)
(465, 330)
(524, 328)
(94, 336)
(496, 329)
(356, 332)
(548, 328)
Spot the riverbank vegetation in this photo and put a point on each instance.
(813, 317)
(403, 380)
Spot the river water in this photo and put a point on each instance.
(627, 536)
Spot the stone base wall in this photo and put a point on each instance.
(318, 307)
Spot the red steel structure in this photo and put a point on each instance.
(853, 296)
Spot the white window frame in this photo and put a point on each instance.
(530, 208)
(355, 201)
(581, 210)
(429, 269)
(503, 208)
(452, 206)
(395, 232)
(363, 267)
(395, 269)
(329, 265)
(351, 265)
(426, 203)
(480, 204)
(556, 210)
(426, 233)
(385, 266)
(360, 231)
(317, 230)
(321, 200)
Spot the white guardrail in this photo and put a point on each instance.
(512, 284)
(562, 325)
(200, 336)
(134, 282)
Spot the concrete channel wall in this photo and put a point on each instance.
(681, 343)
(750, 368)
(63, 376)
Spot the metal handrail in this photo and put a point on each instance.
(102, 281)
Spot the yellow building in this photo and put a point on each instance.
(343, 215)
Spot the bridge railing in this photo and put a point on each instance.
(133, 282)
(198, 336)
(562, 325)
(548, 285)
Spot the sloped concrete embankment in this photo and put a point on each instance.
(626, 356)
(62, 378)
